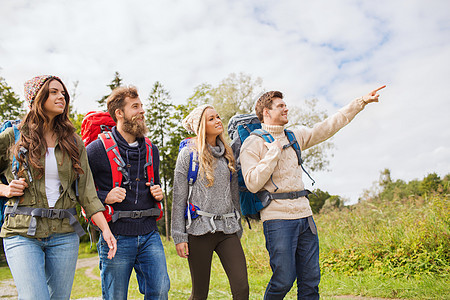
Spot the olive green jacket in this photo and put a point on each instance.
(35, 195)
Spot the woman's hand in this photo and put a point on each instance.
(109, 238)
(182, 250)
(14, 189)
(111, 241)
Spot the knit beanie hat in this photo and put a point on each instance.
(33, 86)
(192, 121)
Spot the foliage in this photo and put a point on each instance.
(11, 107)
(317, 200)
(398, 189)
(316, 158)
(115, 83)
(403, 231)
(235, 94)
(165, 130)
(75, 117)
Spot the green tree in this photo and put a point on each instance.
(317, 200)
(11, 107)
(164, 130)
(316, 158)
(75, 117)
(236, 94)
(115, 83)
(430, 183)
(332, 203)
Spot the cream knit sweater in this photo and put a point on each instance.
(265, 166)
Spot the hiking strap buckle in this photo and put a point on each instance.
(136, 214)
(49, 213)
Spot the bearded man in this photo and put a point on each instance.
(139, 245)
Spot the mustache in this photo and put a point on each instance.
(136, 118)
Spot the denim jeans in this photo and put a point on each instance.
(144, 253)
(43, 268)
(294, 254)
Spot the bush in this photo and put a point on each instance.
(404, 237)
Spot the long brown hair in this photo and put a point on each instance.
(206, 159)
(32, 132)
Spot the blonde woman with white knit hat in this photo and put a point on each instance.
(212, 222)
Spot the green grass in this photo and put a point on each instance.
(395, 249)
(5, 273)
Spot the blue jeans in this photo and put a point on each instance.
(43, 268)
(294, 254)
(144, 253)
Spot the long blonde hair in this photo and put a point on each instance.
(206, 158)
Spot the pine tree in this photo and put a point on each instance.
(164, 131)
(115, 83)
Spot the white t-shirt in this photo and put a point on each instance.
(52, 182)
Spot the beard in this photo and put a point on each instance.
(134, 127)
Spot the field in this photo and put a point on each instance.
(376, 249)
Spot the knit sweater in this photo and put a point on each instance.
(266, 167)
(220, 198)
(138, 196)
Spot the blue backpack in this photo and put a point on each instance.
(240, 127)
(4, 126)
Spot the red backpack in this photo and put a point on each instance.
(98, 125)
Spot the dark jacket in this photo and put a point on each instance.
(138, 196)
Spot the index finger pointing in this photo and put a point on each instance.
(382, 87)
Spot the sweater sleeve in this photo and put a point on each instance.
(180, 195)
(308, 137)
(256, 168)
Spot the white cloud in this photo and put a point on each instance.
(330, 50)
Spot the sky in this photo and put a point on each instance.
(330, 50)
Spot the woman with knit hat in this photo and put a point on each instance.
(212, 222)
(48, 173)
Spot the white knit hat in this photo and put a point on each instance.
(192, 121)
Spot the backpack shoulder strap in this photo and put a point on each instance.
(293, 142)
(118, 170)
(263, 134)
(193, 167)
(150, 172)
(149, 175)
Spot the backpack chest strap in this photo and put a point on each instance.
(135, 214)
(212, 217)
(50, 213)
